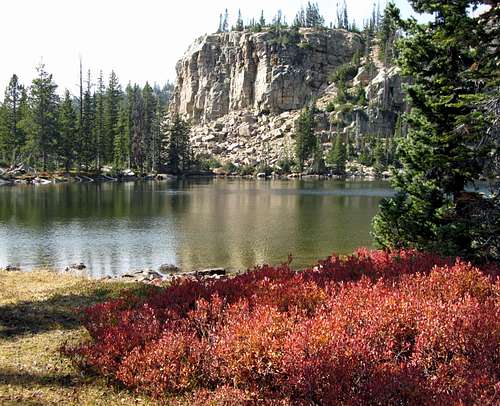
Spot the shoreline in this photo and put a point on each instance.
(38, 317)
(47, 178)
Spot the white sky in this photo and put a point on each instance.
(140, 40)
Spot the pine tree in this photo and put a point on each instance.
(156, 136)
(130, 104)
(318, 166)
(225, 22)
(100, 134)
(305, 139)
(149, 116)
(387, 32)
(338, 14)
(86, 135)
(379, 158)
(68, 130)
(112, 105)
(42, 127)
(239, 22)
(345, 17)
(262, 20)
(337, 156)
(24, 123)
(177, 152)
(313, 17)
(447, 143)
(300, 18)
(121, 152)
(342, 16)
(138, 128)
(221, 22)
(12, 137)
(373, 19)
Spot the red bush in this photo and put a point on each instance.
(372, 328)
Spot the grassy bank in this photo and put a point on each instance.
(36, 318)
(371, 328)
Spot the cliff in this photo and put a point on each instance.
(242, 91)
(266, 71)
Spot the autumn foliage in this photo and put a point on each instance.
(373, 328)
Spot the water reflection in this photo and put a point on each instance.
(232, 223)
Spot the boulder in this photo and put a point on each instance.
(169, 269)
(75, 267)
(143, 275)
(206, 273)
(12, 268)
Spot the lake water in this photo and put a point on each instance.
(116, 227)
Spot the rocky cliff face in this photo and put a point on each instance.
(243, 91)
(265, 72)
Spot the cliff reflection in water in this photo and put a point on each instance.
(232, 223)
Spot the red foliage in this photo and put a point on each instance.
(373, 328)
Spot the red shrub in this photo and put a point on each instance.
(372, 328)
(171, 364)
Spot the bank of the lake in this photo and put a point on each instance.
(114, 227)
(37, 317)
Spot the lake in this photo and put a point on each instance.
(116, 227)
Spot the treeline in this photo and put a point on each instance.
(307, 17)
(103, 125)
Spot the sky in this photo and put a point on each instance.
(140, 40)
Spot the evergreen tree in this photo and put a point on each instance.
(262, 20)
(387, 33)
(342, 16)
(365, 153)
(42, 127)
(447, 143)
(138, 128)
(345, 17)
(68, 130)
(221, 22)
(86, 145)
(300, 18)
(305, 139)
(100, 134)
(112, 105)
(156, 136)
(239, 22)
(337, 156)
(379, 158)
(164, 94)
(149, 117)
(373, 19)
(318, 166)
(121, 153)
(12, 137)
(130, 104)
(177, 154)
(313, 17)
(24, 123)
(225, 22)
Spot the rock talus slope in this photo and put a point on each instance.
(242, 91)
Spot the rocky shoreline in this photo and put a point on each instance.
(47, 178)
(165, 273)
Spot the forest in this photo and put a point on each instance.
(103, 125)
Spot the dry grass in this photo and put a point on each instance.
(36, 318)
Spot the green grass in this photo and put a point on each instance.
(36, 318)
